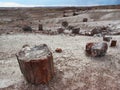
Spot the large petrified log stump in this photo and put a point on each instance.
(36, 64)
(96, 49)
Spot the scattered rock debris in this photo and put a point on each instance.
(58, 50)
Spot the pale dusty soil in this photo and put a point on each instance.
(73, 69)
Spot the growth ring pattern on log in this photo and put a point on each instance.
(36, 64)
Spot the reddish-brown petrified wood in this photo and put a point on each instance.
(58, 50)
(36, 64)
(96, 49)
(106, 38)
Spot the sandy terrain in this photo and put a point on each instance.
(73, 69)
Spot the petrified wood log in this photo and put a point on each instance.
(76, 30)
(96, 49)
(60, 30)
(85, 19)
(105, 38)
(40, 27)
(36, 64)
(27, 28)
(113, 43)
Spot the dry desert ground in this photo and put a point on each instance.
(73, 69)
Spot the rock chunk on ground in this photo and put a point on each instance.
(27, 28)
(58, 50)
(85, 19)
(75, 31)
(105, 38)
(60, 30)
(113, 43)
(96, 49)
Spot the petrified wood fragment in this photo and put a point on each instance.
(60, 30)
(105, 38)
(113, 43)
(58, 50)
(40, 27)
(36, 64)
(27, 28)
(96, 49)
(76, 30)
(85, 19)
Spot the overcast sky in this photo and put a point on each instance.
(31, 3)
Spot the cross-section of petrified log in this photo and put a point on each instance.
(96, 49)
(113, 43)
(36, 64)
